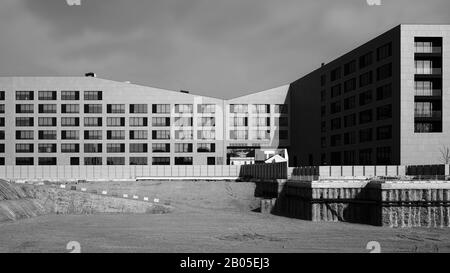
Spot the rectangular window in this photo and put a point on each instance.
(206, 134)
(138, 160)
(139, 134)
(138, 147)
(183, 121)
(24, 95)
(349, 85)
(239, 108)
(115, 134)
(115, 148)
(239, 121)
(207, 121)
(261, 108)
(92, 161)
(70, 95)
(349, 138)
(183, 108)
(384, 92)
(92, 122)
(93, 134)
(160, 121)
(335, 74)
(138, 122)
(24, 122)
(2, 95)
(206, 147)
(23, 161)
(115, 161)
(384, 72)
(183, 160)
(365, 60)
(160, 160)
(49, 122)
(365, 116)
(161, 108)
(365, 79)
(161, 148)
(138, 109)
(365, 135)
(47, 95)
(24, 108)
(92, 108)
(336, 90)
(70, 134)
(184, 134)
(349, 68)
(365, 98)
(349, 103)
(92, 147)
(365, 157)
(424, 67)
(93, 95)
(238, 134)
(115, 108)
(335, 107)
(349, 158)
(384, 155)
(183, 147)
(47, 108)
(70, 148)
(70, 122)
(161, 134)
(384, 112)
(384, 52)
(336, 124)
(261, 121)
(384, 132)
(47, 148)
(261, 134)
(206, 108)
(24, 135)
(335, 140)
(24, 148)
(70, 108)
(323, 80)
(115, 122)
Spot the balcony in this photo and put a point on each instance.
(427, 114)
(428, 92)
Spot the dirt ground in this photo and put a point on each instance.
(207, 218)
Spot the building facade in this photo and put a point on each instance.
(383, 103)
(92, 121)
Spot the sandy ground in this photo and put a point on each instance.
(208, 223)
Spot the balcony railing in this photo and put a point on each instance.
(433, 49)
(428, 71)
(427, 114)
(428, 92)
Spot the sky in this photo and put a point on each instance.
(218, 48)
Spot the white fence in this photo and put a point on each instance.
(118, 172)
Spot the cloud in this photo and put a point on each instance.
(221, 48)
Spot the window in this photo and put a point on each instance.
(365, 98)
(24, 122)
(161, 108)
(43, 121)
(349, 103)
(70, 122)
(138, 147)
(323, 95)
(238, 134)
(335, 158)
(365, 79)
(261, 134)
(115, 108)
(24, 148)
(70, 95)
(335, 90)
(70, 134)
(281, 108)
(384, 112)
(349, 68)
(183, 147)
(365, 116)
(349, 158)
(384, 92)
(160, 121)
(349, 138)
(24, 108)
(335, 74)
(365, 156)
(335, 107)
(92, 108)
(206, 121)
(2, 122)
(138, 122)
(281, 121)
(47, 95)
(74, 161)
(24, 95)
(365, 135)
(2, 108)
(384, 132)
(384, 52)
(424, 67)
(365, 60)
(2, 95)
(384, 72)
(335, 124)
(93, 134)
(70, 108)
(161, 134)
(261, 122)
(184, 134)
(2, 150)
(92, 161)
(139, 134)
(138, 160)
(239, 108)
(423, 109)
(138, 109)
(206, 147)
(239, 121)
(349, 85)
(183, 160)
(335, 140)
(115, 148)
(115, 161)
(24, 134)
(424, 127)
(206, 134)
(206, 108)
(92, 95)
(384, 155)
(183, 121)
(70, 148)
(323, 80)
(92, 147)
(323, 142)
(115, 122)
(115, 134)
(423, 88)
(261, 108)
(160, 160)
(161, 148)
(2, 134)
(21, 161)
(183, 108)
(92, 122)
(47, 148)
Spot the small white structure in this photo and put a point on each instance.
(156, 200)
(145, 198)
(125, 196)
(135, 197)
(104, 192)
(62, 186)
(83, 189)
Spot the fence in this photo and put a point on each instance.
(265, 171)
(118, 172)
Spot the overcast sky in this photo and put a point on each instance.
(219, 48)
